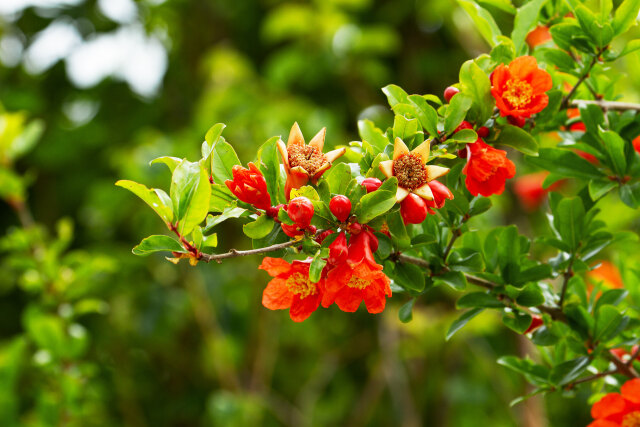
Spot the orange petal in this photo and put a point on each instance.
(331, 156)
(295, 136)
(302, 308)
(435, 172)
(401, 194)
(399, 148)
(386, 167)
(610, 405)
(318, 140)
(274, 266)
(284, 154)
(422, 150)
(522, 66)
(276, 295)
(631, 390)
(424, 192)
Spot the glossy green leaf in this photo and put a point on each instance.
(483, 21)
(259, 228)
(565, 163)
(456, 112)
(526, 19)
(519, 139)
(479, 299)
(377, 202)
(223, 158)
(461, 321)
(475, 84)
(371, 134)
(405, 314)
(157, 199)
(625, 16)
(568, 219)
(157, 243)
(190, 194)
(425, 114)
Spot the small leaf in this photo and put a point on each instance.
(395, 95)
(371, 134)
(409, 276)
(315, 269)
(479, 299)
(223, 158)
(377, 202)
(483, 21)
(406, 311)
(259, 228)
(454, 279)
(456, 112)
(171, 162)
(568, 371)
(157, 199)
(519, 139)
(461, 321)
(190, 194)
(157, 243)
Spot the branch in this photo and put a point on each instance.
(634, 356)
(593, 377)
(567, 275)
(233, 253)
(623, 368)
(607, 105)
(565, 101)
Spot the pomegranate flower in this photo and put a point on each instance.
(291, 288)
(529, 190)
(487, 169)
(304, 162)
(519, 88)
(249, 186)
(359, 278)
(618, 409)
(411, 170)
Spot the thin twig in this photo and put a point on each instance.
(233, 253)
(609, 105)
(567, 275)
(455, 234)
(634, 356)
(565, 101)
(623, 368)
(594, 377)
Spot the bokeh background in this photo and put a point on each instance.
(118, 83)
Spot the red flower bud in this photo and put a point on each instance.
(311, 229)
(371, 184)
(483, 132)
(338, 249)
(373, 240)
(291, 230)
(300, 211)
(464, 125)
(536, 322)
(413, 209)
(449, 92)
(354, 228)
(323, 236)
(517, 120)
(340, 206)
(249, 186)
(273, 210)
(440, 194)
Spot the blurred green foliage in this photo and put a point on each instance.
(92, 335)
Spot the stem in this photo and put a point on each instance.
(233, 253)
(608, 105)
(634, 356)
(565, 101)
(593, 377)
(567, 275)
(455, 234)
(623, 368)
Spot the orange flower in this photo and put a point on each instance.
(618, 409)
(249, 186)
(607, 273)
(530, 192)
(291, 288)
(358, 279)
(538, 36)
(305, 162)
(519, 88)
(573, 113)
(411, 170)
(487, 169)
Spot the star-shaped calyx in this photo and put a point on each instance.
(411, 170)
(304, 162)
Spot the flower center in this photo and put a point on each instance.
(300, 284)
(631, 420)
(358, 283)
(308, 158)
(410, 171)
(518, 93)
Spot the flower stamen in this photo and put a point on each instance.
(300, 284)
(518, 93)
(631, 420)
(410, 171)
(358, 283)
(307, 157)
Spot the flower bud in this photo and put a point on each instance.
(464, 125)
(291, 230)
(371, 184)
(249, 186)
(273, 210)
(450, 92)
(338, 249)
(483, 132)
(517, 120)
(340, 207)
(354, 228)
(320, 238)
(300, 210)
(536, 322)
(413, 209)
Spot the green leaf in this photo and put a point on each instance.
(464, 136)
(405, 314)
(610, 297)
(398, 230)
(211, 137)
(157, 199)
(259, 228)
(404, 128)
(595, 27)
(568, 371)
(456, 112)
(483, 21)
(395, 95)
(453, 279)
(564, 34)
(26, 140)
(630, 194)
(608, 322)
(426, 114)
(526, 367)
(600, 187)
(157, 243)
(517, 321)
(526, 19)
(190, 194)
(475, 84)
(409, 276)
(377, 202)
(615, 146)
(504, 52)
(371, 134)
(223, 158)
(565, 163)
(171, 162)
(530, 296)
(461, 321)
(625, 16)
(519, 139)
(315, 269)
(339, 177)
(568, 219)
(479, 205)
(479, 299)
(269, 164)
(229, 212)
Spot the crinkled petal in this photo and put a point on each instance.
(302, 308)
(610, 406)
(631, 390)
(275, 266)
(276, 295)
(348, 299)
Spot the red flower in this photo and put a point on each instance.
(519, 88)
(618, 409)
(249, 186)
(536, 322)
(440, 194)
(636, 143)
(358, 279)
(530, 192)
(538, 36)
(291, 288)
(573, 113)
(487, 169)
